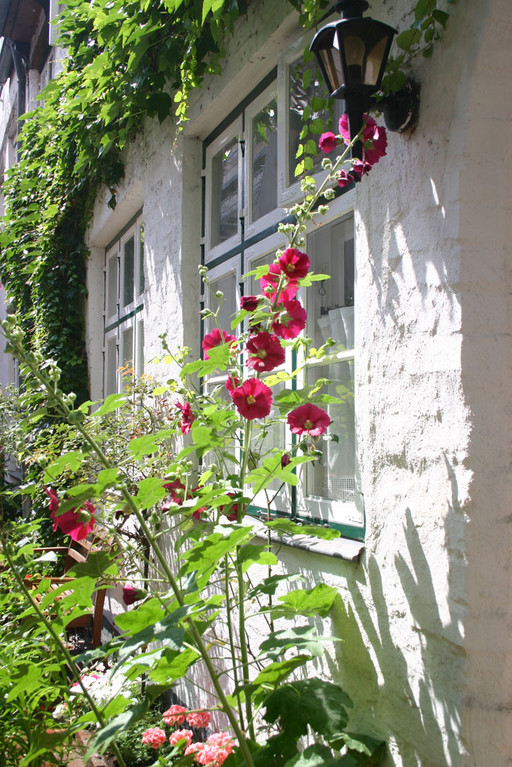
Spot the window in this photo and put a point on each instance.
(249, 166)
(123, 303)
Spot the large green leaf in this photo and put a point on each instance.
(315, 601)
(314, 756)
(301, 638)
(288, 527)
(314, 702)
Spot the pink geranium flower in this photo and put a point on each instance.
(154, 737)
(216, 749)
(253, 399)
(328, 142)
(178, 735)
(289, 322)
(76, 524)
(308, 419)
(175, 715)
(265, 351)
(132, 595)
(294, 263)
(199, 718)
(187, 417)
(214, 338)
(270, 281)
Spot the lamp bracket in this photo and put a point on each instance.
(401, 109)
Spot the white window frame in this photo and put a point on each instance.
(125, 317)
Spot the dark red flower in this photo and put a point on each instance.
(215, 339)
(231, 511)
(308, 419)
(289, 322)
(176, 489)
(285, 460)
(132, 595)
(249, 303)
(374, 139)
(266, 352)
(187, 417)
(270, 281)
(232, 383)
(76, 524)
(294, 263)
(328, 142)
(253, 399)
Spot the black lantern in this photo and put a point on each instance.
(352, 54)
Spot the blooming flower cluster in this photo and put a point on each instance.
(154, 737)
(75, 523)
(374, 147)
(213, 752)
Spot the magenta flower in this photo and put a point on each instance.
(199, 718)
(294, 263)
(265, 351)
(76, 524)
(270, 281)
(253, 399)
(232, 515)
(232, 383)
(215, 339)
(374, 139)
(328, 142)
(132, 595)
(289, 322)
(178, 735)
(249, 303)
(175, 715)
(154, 737)
(176, 489)
(187, 417)
(308, 419)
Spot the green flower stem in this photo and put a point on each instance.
(231, 638)
(60, 646)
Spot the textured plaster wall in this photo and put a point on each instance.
(424, 619)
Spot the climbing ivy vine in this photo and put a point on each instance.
(126, 60)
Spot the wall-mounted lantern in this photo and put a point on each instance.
(352, 54)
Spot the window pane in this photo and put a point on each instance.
(127, 355)
(111, 367)
(264, 161)
(112, 286)
(300, 97)
(224, 212)
(142, 283)
(139, 369)
(128, 270)
(227, 286)
(333, 475)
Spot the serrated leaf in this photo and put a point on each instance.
(150, 491)
(287, 527)
(316, 755)
(112, 402)
(72, 460)
(250, 555)
(149, 443)
(301, 638)
(315, 601)
(362, 744)
(314, 702)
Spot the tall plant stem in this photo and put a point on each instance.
(231, 637)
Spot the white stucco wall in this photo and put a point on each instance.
(425, 617)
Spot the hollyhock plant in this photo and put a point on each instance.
(131, 594)
(253, 399)
(199, 719)
(308, 419)
(294, 263)
(187, 417)
(178, 735)
(291, 321)
(175, 715)
(328, 142)
(76, 524)
(215, 338)
(270, 282)
(154, 737)
(265, 351)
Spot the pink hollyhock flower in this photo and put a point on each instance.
(175, 715)
(178, 735)
(308, 419)
(215, 339)
(344, 178)
(294, 263)
(289, 323)
(270, 281)
(328, 142)
(266, 352)
(76, 524)
(199, 718)
(374, 139)
(54, 498)
(154, 737)
(216, 749)
(253, 399)
(176, 489)
(132, 595)
(187, 417)
(249, 303)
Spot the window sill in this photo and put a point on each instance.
(340, 548)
